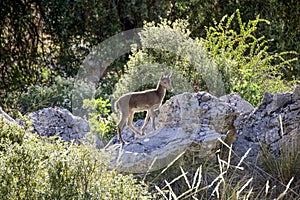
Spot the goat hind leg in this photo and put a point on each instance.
(120, 127)
(129, 123)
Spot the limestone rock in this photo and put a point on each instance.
(242, 106)
(185, 120)
(274, 121)
(59, 122)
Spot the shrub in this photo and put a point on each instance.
(243, 59)
(10, 133)
(100, 119)
(40, 96)
(164, 50)
(235, 60)
(48, 168)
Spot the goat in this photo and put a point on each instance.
(148, 100)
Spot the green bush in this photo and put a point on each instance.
(10, 133)
(40, 96)
(243, 59)
(48, 168)
(230, 58)
(163, 52)
(100, 119)
(143, 74)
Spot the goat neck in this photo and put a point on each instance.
(160, 90)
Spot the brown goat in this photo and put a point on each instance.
(148, 100)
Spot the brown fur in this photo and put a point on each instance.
(148, 100)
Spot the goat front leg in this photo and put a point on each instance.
(146, 122)
(129, 123)
(153, 118)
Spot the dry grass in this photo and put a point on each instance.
(278, 179)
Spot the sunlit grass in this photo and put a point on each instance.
(223, 180)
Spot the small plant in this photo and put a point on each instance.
(100, 119)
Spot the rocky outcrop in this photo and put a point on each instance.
(186, 122)
(59, 122)
(194, 122)
(274, 121)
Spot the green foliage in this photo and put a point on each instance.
(143, 74)
(283, 16)
(48, 168)
(108, 82)
(100, 119)
(10, 133)
(244, 61)
(20, 59)
(41, 39)
(165, 48)
(56, 35)
(40, 96)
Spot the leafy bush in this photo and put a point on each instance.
(40, 96)
(164, 50)
(10, 133)
(235, 60)
(142, 74)
(243, 59)
(100, 119)
(48, 168)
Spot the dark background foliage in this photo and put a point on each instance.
(41, 39)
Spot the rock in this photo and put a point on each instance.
(296, 94)
(276, 120)
(242, 106)
(196, 120)
(59, 122)
(186, 120)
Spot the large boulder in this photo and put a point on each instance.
(186, 122)
(275, 121)
(59, 122)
